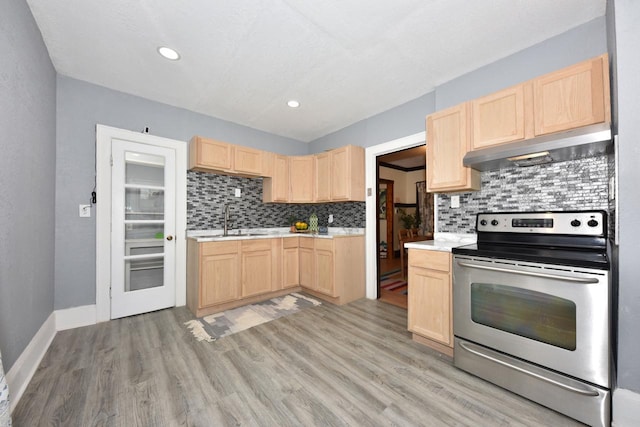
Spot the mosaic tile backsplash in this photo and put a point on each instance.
(207, 195)
(572, 185)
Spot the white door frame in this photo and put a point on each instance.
(371, 206)
(104, 135)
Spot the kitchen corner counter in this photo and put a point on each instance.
(269, 233)
(443, 242)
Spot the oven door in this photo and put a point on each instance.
(553, 316)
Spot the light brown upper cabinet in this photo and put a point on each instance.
(301, 179)
(504, 116)
(347, 173)
(209, 155)
(323, 177)
(572, 97)
(275, 188)
(448, 140)
(340, 175)
(247, 160)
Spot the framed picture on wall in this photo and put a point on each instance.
(382, 207)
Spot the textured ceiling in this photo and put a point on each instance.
(344, 60)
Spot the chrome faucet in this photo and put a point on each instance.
(225, 232)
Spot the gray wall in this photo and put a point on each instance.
(80, 106)
(27, 174)
(580, 43)
(583, 42)
(406, 119)
(627, 40)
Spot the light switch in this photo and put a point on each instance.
(84, 211)
(455, 201)
(238, 192)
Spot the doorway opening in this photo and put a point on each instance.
(405, 213)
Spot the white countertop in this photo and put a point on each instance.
(268, 233)
(443, 242)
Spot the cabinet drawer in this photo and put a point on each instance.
(306, 242)
(217, 248)
(256, 245)
(433, 260)
(290, 242)
(324, 244)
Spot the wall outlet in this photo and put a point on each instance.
(330, 218)
(455, 201)
(238, 192)
(84, 211)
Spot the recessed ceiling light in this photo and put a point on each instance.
(168, 53)
(293, 103)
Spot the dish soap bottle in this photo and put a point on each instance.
(313, 223)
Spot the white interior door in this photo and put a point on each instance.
(143, 225)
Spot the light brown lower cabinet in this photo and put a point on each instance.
(430, 308)
(228, 274)
(333, 269)
(290, 262)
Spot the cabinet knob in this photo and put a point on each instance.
(169, 237)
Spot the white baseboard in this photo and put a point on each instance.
(625, 408)
(25, 366)
(75, 317)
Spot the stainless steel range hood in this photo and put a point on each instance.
(587, 141)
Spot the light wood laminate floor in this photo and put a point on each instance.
(325, 366)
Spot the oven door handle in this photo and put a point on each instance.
(531, 273)
(584, 392)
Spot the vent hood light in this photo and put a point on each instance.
(293, 103)
(587, 141)
(531, 159)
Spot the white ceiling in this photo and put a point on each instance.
(344, 60)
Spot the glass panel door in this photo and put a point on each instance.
(143, 215)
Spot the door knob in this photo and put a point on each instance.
(169, 237)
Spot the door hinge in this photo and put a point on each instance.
(111, 160)
(110, 291)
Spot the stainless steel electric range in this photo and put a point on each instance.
(532, 309)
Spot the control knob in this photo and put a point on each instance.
(494, 222)
(575, 223)
(592, 223)
(483, 222)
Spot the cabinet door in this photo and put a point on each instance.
(276, 188)
(324, 272)
(301, 177)
(256, 264)
(290, 267)
(306, 267)
(572, 97)
(247, 160)
(499, 117)
(323, 177)
(347, 173)
(209, 154)
(447, 143)
(429, 304)
(219, 279)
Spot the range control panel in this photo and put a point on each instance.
(583, 223)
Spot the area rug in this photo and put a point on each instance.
(394, 283)
(389, 273)
(219, 325)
